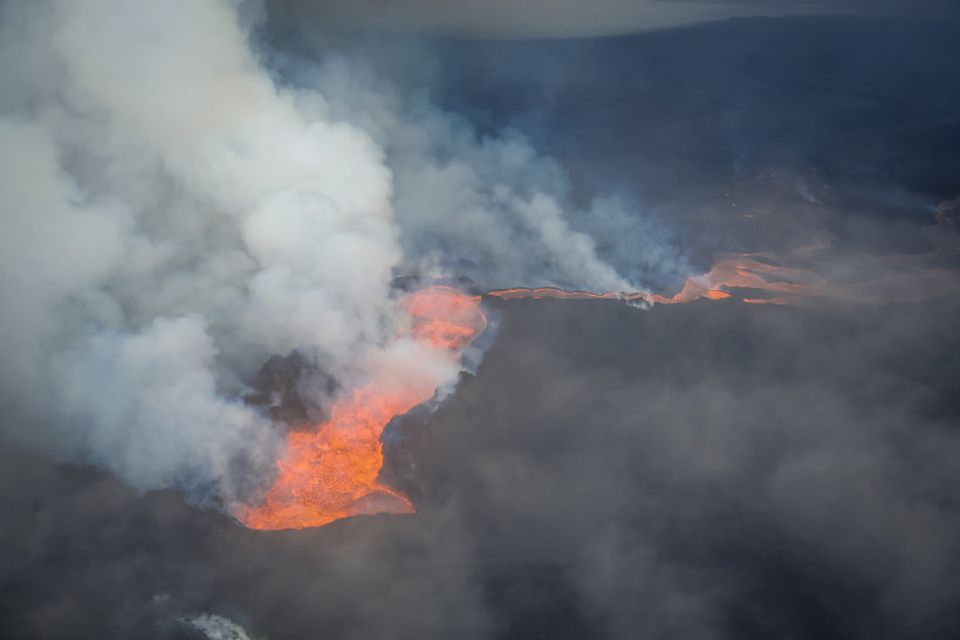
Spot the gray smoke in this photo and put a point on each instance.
(174, 214)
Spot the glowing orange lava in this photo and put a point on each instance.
(331, 472)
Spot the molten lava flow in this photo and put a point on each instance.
(331, 473)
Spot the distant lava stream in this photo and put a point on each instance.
(331, 472)
(879, 279)
(781, 284)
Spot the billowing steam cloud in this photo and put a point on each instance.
(173, 215)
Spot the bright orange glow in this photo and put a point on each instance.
(716, 294)
(331, 472)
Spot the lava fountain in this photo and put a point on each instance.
(331, 472)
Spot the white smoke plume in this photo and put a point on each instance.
(172, 215)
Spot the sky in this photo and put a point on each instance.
(570, 18)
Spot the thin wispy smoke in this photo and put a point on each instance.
(174, 215)
(216, 627)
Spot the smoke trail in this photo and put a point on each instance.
(173, 216)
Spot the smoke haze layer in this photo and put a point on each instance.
(711, 470)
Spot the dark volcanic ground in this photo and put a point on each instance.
(706, 470)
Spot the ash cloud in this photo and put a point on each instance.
(176, 211)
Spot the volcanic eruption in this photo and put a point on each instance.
(323, 328)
